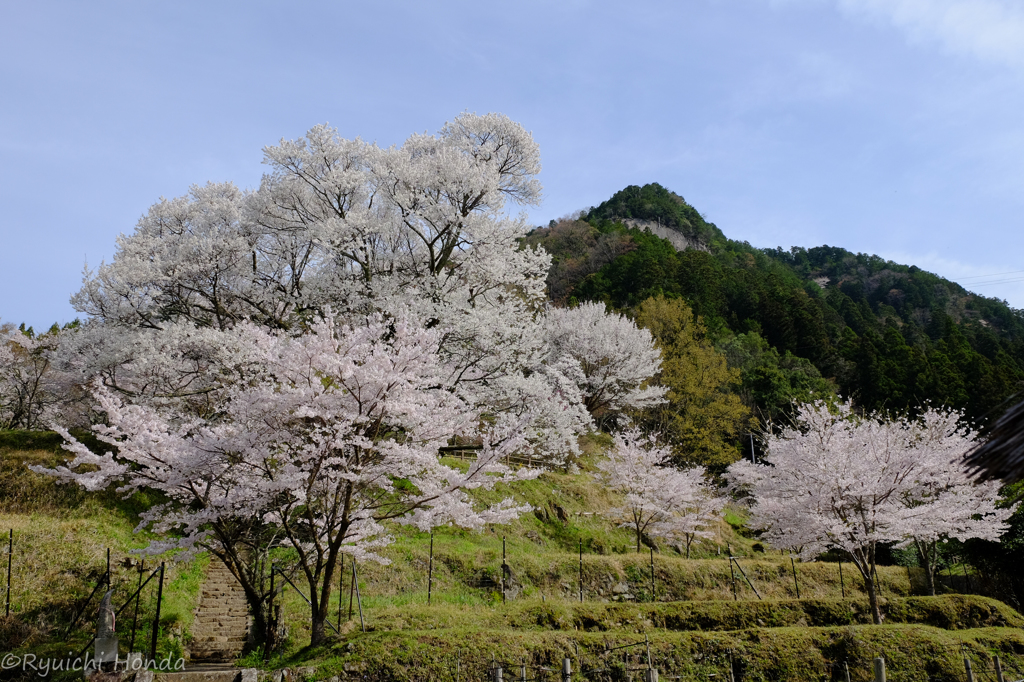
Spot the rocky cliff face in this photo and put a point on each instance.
(678, 240)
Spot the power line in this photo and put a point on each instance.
(994, 282)
(993, 274)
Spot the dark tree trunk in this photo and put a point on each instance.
(928, 553)
(864, 560)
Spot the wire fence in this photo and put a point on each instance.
(613, 661)
(135, 600)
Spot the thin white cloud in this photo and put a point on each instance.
(992, 30)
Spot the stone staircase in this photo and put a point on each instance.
(221, 625)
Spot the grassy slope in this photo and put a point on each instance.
(61, 536)
(693, 622)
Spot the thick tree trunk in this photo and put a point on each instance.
(872, 590)
(928, 555)
(317, 630)
(864, 559)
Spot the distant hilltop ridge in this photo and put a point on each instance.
(891, 336)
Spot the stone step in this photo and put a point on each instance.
(199, 676)
(241, 618)
(224, 629)
(219, 631)
(221, 625)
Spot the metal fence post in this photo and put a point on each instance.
(581, 570)
(10, 556)
(846, 671)
(138, 596)
(566, 669)
(498, 673)
(653, 591)
(792, 562)
(970, 671)
(430, 570)
(999, 670)
(359, 599)
(842, 584)
(156, 618)
(879, 669)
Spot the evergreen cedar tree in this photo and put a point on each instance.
(838, 481)
(284, 364)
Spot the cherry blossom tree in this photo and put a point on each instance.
(837, 480)
(185, 322)
(421, 229)
(661, 501)
(32, 391)
(948, 503)
(316, 443)
(616, 358)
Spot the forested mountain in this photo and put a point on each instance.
(890, 336)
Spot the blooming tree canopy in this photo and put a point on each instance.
(661, 500)
(32, 392)
(837, 480)
(419, 230)
(324, 437)
(946, 501)
(616, 358)
(265, 356)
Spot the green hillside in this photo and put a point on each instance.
(697, 620)
(890, 336)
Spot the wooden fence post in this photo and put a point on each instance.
(999, 670)
(793, 564)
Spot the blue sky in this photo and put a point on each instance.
(885, 126)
